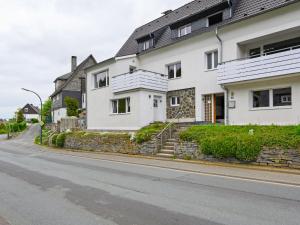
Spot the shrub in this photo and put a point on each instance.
(241, 142)
(72, 106)
(60, 140)
(146, 133)
(53, 141)
(34, 120)
(20, 116)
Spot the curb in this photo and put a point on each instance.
(195, 162)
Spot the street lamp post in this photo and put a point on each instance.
(41, 131)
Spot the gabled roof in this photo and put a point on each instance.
(63, 77)
(243, 9)
(31, 109)
(72, 74)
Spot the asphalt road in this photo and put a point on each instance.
(38, 187)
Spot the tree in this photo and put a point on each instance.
(20, 116)
(72, 106)
(46, 112)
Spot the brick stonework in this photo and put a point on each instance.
(187, 106)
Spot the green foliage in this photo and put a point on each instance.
(72, 106)
(60, 140)
(54, 138)
(241, 142)
(3, 129)
(46, 111)
(34, 120)
(298, 130)
(146, 133)
(20, 116)
(16, 127)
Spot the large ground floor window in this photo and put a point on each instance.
(121, 106)
(272, 97)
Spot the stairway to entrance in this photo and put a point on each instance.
(168, 147)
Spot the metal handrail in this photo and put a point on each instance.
(167, 127)
(264, 54)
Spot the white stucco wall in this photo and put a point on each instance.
(31, 116)
(58, 114)
(245, 114)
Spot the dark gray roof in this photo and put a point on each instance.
(243, 9)
(63, 77)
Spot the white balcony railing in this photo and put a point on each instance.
(140, 79)
(271, 65)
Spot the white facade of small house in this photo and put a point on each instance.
(261, 88)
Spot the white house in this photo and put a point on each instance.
(232, 61)
(31, 112)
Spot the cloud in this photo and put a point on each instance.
(37, 39)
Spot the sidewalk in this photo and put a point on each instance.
(234, 171)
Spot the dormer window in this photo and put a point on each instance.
(214, 19)
(184, 30)
(145, 45)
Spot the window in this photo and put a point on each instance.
(132, 69)
(184, 30)
(147, 44)
(261, 99)
(255, 52)
(175, 101)
(212, 60)
(101, 79)
(121, 106)
(217, 18)
(26, 110)
(174, 70)
(282, 97)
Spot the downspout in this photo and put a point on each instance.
(223, 87)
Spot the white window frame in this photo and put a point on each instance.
(95, 83)
(271, 100)
(213, 52)
(175, 70)
(176, 101)
(26, 110)
(186, 28)
(147, 44)
(127, 106)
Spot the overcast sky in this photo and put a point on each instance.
(38, 38)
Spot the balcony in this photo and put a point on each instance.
(273, 64)
(140, 79)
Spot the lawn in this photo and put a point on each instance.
(242, 142)
(147, 132)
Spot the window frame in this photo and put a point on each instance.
(271, 99)
(177, 101)
(174, 65)
(96, 84)
(147, 44)
(213, 53)
(127, 106)
(186, 30)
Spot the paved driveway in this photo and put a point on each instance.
(46, 188)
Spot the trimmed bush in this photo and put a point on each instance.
(242, 142)
(146, 133)
(60, 140)
(34, 120)
(54, 138)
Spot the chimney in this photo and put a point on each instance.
(73, 63)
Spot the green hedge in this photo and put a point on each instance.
(145, 133)
(54, 138)
(242, 142)
(60, 140)
(34, 120)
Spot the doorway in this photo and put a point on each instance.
(214, 108)
(158, 115)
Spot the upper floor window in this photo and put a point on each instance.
(184, 30)
(214, 19)
(147, 44)
(121, 106)
(174, 70)
(101, 79)
(212, 60)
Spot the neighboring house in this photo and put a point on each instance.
(31, 112)
(72, 85)
(235, 61)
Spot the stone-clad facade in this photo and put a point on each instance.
(187, 104)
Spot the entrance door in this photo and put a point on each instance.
(157, 109)
(214, 108)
